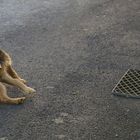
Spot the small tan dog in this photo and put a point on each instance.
(9, 76)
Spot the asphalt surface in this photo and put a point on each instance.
(72, 52)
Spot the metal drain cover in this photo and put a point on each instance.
(129, 84)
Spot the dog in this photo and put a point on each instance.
(9, 76)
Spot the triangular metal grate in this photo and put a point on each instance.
(129, 84)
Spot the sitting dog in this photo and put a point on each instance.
(9, 76)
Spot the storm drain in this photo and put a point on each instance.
(129, 84)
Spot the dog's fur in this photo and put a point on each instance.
(9, 76)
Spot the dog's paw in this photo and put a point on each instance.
(20, 100)
(30, 90)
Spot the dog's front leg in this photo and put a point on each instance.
(4, 98)
(16, 82)
(13, 74)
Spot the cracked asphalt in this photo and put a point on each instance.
(72, 52)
